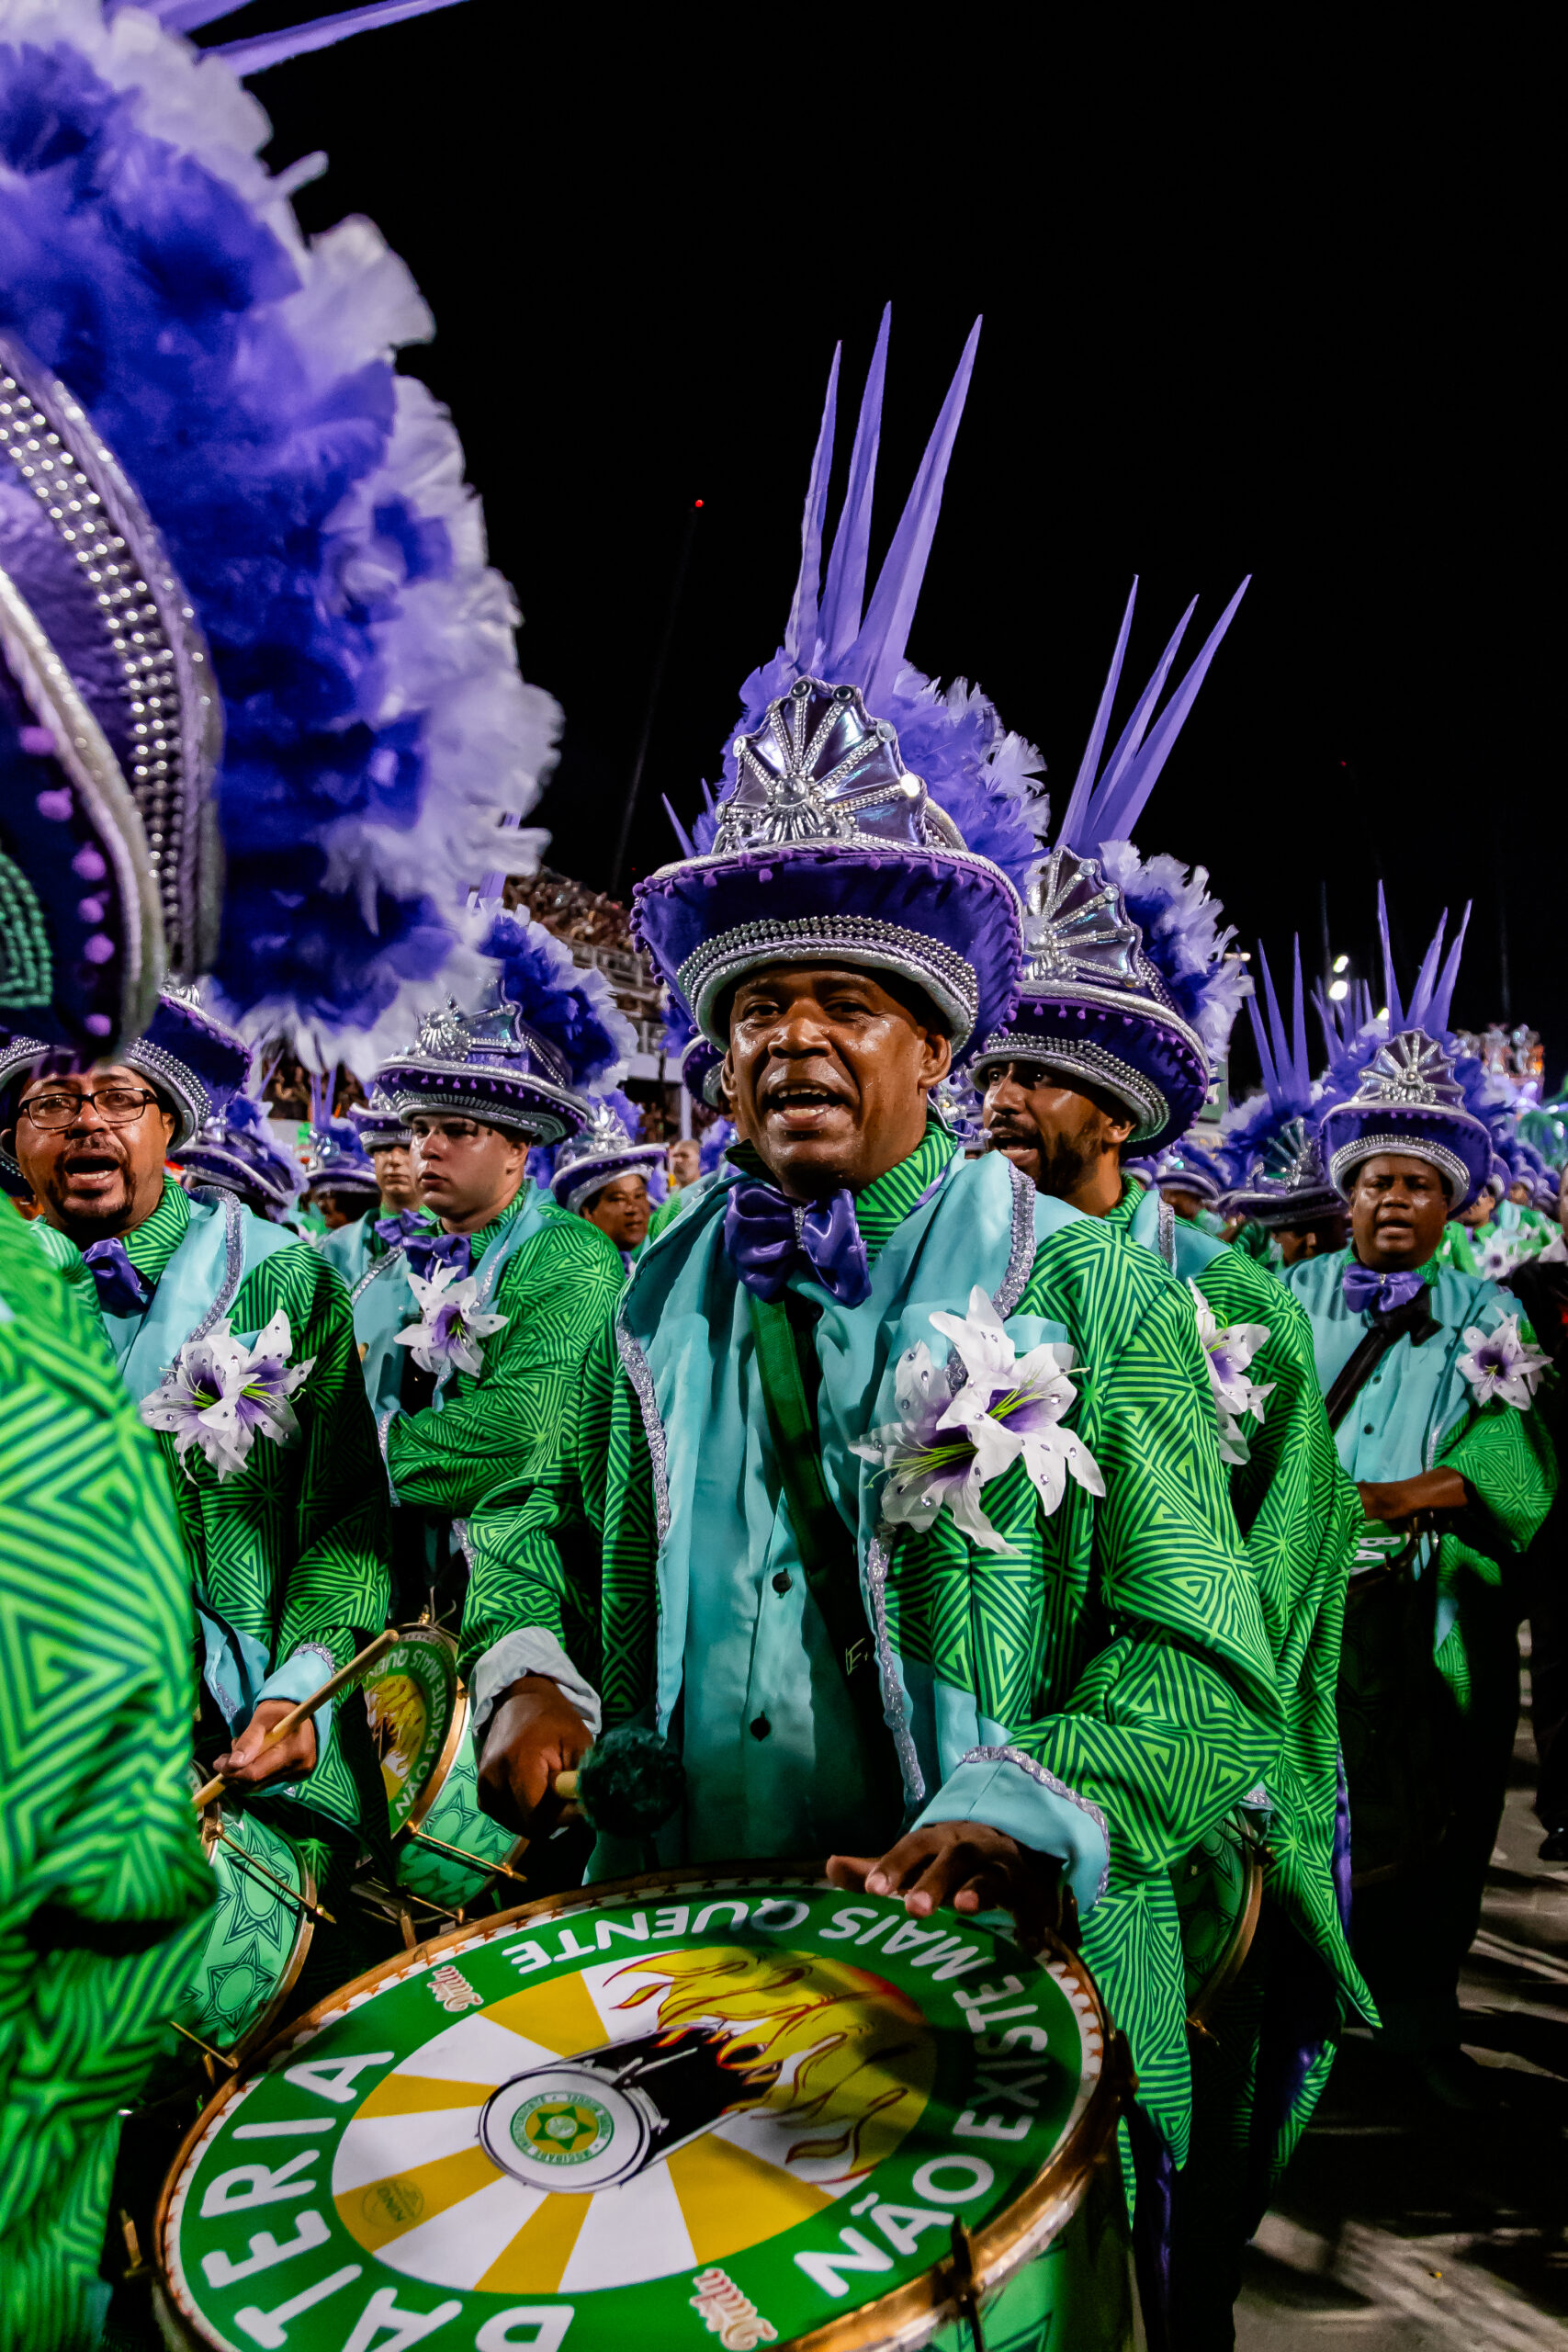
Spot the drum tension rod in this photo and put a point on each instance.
(219, 2056)
(486, 1870)
(279, 1886)
(962, 2277)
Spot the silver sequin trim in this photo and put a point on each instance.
(1058, 1788)
(1167, 1233)
(191, 1098)
(1020, 1258)
(1084, 1060)
(233, 1268)
(637, 1370)
(718, 963)
(893, 1709)
(1446, 1163)
(374, 1273)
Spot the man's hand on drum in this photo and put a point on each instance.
(534, 1734)
(248, 1763)
(971, 1866)
(1396, 1501)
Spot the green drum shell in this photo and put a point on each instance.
(257, 1939)
(1050, 2241)
(448, 1811)
(1219, 1891)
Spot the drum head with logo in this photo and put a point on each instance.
(746, 2104)
(412, 1701)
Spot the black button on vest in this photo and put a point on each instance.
(760, 1727)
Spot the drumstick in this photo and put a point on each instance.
(296, 1716)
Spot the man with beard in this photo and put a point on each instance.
(969, 1692)
(1099, 1059)
(285, 1538)
(1431, 1383)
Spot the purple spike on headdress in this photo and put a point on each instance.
(253, 56)
(1260, 1036)
(877, 654)
(1391, 986)
(1443, 994)
(321, 1087)
(1083, 784)
(1301, 1067)
(688, 848)
(843, 592)
(800, 636)
(1426, 978)
(1120, 801)
(1131, 738)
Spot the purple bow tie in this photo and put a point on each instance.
(425, 1249)
(1364, 1287)
(394, 1231)
(767, 1236)
(123, 1289)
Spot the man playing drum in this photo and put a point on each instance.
(1430, 1385)
(1097, 1062)
(910, 1517)
(235, 1340)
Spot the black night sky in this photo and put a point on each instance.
(1253, 303)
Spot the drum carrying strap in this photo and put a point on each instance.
(1415, 1317)
(826, 1547)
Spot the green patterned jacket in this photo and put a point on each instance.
(292, 1550)
(1299, 1516)
(100, 1865)
(558, 1289)
(1122, 1639)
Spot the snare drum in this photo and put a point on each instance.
(740, 2104)
(257, 1933)
(447, 1850)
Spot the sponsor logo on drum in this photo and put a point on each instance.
(730, 2315)
(562, 2131)
(453, 1990)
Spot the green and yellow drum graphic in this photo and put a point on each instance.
(740, 2106)
(447, 1850)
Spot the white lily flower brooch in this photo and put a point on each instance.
(447, 1337)
(1228, 1348)
(1500, 1363)
(944, 1450)
(221, 1395)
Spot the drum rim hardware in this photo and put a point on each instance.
(900, 2321)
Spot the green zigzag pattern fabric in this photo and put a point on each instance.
(1509, 1461)
(1298, 1513)
(556, 1292)
(102, 1880)
(1126, 1637)
(293, 1548)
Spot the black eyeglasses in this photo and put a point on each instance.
(117, 1106)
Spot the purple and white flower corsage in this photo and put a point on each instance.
(1502, 1364)
(221, 1395)
(944, 1449)
(446, 1334)
(1228, 1348)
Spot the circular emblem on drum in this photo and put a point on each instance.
(549, 2125)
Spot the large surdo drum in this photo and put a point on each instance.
(448, 1853)
(745, 2106)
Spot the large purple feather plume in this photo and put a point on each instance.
(572, 1007)
(313, 500)
(985, 778)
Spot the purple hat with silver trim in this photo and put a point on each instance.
(109, 730)
(1271, 1140)
(700, 1060)
(521, 1060)
(196, 1062)
(236, 1150)
(1186, 1167)
(1414, 1094)
(336, 1160)
(379, 1124)
(864, 809)
(600, 1153)
(1125, 985)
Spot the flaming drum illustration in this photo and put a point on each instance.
(834, 2056)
